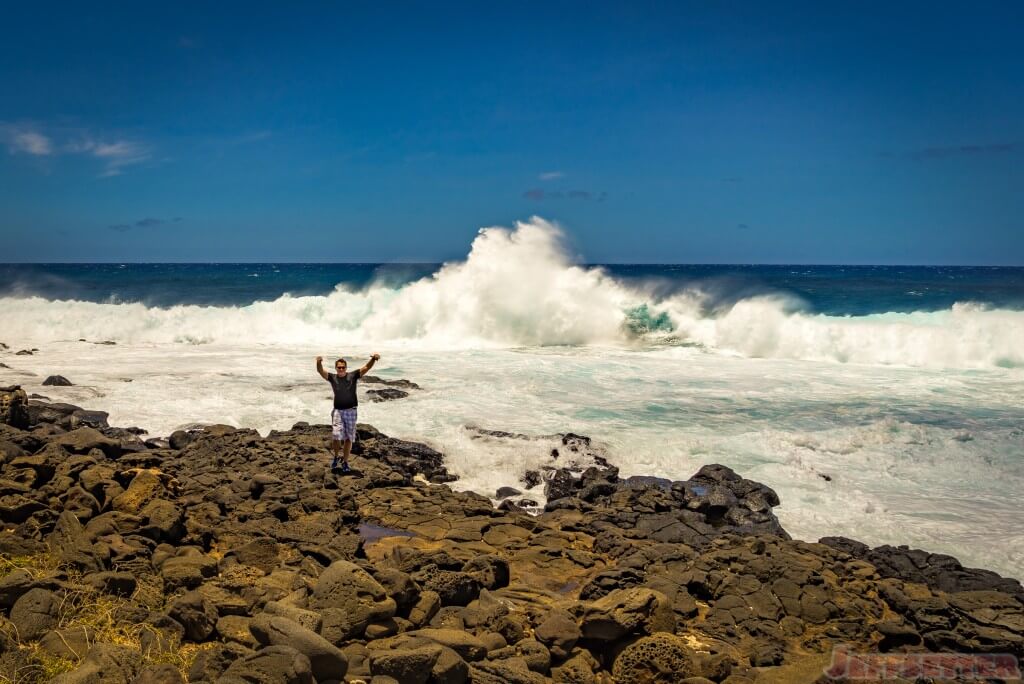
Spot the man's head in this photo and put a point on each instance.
(340, 366)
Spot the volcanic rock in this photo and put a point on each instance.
(104, 664)
(239, 544)
(326, 660)
(35, 613)
(385, 394)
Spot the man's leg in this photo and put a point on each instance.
(336, 436)
(348, 418)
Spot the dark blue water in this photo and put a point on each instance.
(832, 290)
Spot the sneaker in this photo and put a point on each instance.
(334, 463)
(345, 468)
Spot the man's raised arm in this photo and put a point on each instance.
(369, 364)
(320, 367)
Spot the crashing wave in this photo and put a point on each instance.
(520, 287)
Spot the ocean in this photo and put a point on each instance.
(883, 403)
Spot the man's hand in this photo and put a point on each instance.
(320, 367)
(319, 359)
(369, 364)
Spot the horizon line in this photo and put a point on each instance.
(441, 263)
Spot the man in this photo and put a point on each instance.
(343, 417)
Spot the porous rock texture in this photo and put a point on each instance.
(247, 559)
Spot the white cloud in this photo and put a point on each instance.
(25, 140)
(31, 142)
(115, 155)
(551, 175)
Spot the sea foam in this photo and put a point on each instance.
(520, 287)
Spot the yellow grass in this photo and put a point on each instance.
(38, 565)
(85, 607)
(33, 666)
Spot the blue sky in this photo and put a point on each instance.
(711, 132)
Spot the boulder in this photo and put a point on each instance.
(559, 484)
(425, 608)
(14, 409)
(506, 671)
(235, 628)
(81, 503)
(406, 666)
(637, 611)
(449, 668)
(187, 572)
(35, 614)
(657, 658)
(17, 508)
(159, 674)
(382, 628)
(57, 381)
(349, 599)
(465, 644)
(93, 419)
(71, 643)
(146, 486)
(559, 632)
(179, 439)
(164, 521)
(262, 553)
(309, 619)
(104, 664)
(386, 394)
(223, 601)
(484, 612)
(36, 469)
(398, 585)
(195, 614)
(115, 583)
(270, 665)
(896, 635)
(13, 586)
(455, 588)
(56, 412)
(85, 439)
(491, 571)
(210, 663)
(580, 668)
(326, 660)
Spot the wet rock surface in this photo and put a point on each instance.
(389, 390)
(386, 394)
(229, 557)
(401, 384)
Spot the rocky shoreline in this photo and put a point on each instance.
(218, 555)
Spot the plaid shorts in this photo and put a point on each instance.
(343, 424)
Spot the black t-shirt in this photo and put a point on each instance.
(344, 389)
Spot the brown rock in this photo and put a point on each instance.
(636, 611)
(35, 614)
(559, 632)
(349, 599)
(661, 657)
